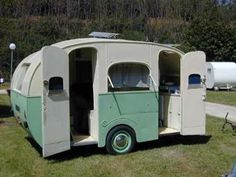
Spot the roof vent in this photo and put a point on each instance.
(104, 35)
(172, 45)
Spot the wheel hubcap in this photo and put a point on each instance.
(121, 142)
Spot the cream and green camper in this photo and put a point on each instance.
(108, 92)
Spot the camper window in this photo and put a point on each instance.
(23, 71)
(56, 84)
(209, 70)
(128, 76)
(194, 80)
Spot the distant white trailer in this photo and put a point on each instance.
(221, 75)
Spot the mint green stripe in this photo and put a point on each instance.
(28, 109)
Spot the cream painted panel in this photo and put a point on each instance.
(56, 112)
(36, 86)
(102, 67)
(172, 111)
(154, 67)
(193, 105)
(99, 85)
(18, 71)
(94, 113)
(120, 52)
(15, 76)
(134, 52)
(27, 86)
(175, 111)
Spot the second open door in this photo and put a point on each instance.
(193, 93)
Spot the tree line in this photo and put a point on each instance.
(208, 25)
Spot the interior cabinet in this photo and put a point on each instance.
(170, 110)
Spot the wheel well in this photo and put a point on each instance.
(119, 126)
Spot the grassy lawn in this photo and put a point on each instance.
(210, 155)
(223, 97)
(5, 85)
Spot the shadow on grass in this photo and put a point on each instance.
(5, 107)
(74, 152)
(90, 150)
(77, 152)
(172, 140)
(5, 111)
(34, 144)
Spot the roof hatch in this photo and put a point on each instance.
(104, 35)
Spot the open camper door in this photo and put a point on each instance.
(193, 68)
(55, 100)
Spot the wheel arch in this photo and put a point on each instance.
(120, 125)
(120, 140)
(119, 122)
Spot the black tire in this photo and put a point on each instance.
(120, 140)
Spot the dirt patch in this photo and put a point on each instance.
(6, 123)
(173, 154)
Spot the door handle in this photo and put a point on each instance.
(45, 83)
(203, 80)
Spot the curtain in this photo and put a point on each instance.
(129, 75)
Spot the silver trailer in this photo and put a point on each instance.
(221, 75)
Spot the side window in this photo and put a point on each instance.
(209, 70)
(194, 80)
(23, 71)
(56, 84)
(128, 77)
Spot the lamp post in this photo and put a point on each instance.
(12, 47)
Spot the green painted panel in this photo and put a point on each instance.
(28, 109)
(34, 118)
(19, 105)
(139, 110)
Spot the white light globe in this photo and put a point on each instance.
(12, 46)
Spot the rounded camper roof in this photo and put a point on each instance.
(26, 70)
(84, 41)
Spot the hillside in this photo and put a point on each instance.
(197, 25)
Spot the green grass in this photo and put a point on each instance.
(223, 97)
(4, 100)
(5, 85)
(197, 156)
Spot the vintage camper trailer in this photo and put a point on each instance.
(221, 75)
(109, 92)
